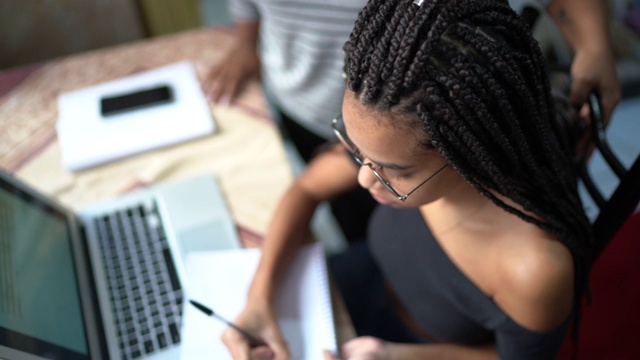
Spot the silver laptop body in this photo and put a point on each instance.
(109, 281)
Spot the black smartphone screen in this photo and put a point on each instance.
(135, 100)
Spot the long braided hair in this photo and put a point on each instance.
(473, 75)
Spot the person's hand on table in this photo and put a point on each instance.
(362, 348)
(261, 322)
(226, 79)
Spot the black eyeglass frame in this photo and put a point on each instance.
(352, 149)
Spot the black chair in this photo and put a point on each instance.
(614, 210)
(612, 213)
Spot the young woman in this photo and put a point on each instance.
(480, 237)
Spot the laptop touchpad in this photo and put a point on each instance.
(208, 236)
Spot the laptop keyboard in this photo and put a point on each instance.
(146, 296)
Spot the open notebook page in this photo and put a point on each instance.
(220, 280)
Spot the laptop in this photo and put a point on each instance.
(107, 282)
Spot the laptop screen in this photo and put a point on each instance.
(40, 309)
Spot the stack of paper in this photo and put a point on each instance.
(87, 138)
(220, 280)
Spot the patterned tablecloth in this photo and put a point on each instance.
(246, 153)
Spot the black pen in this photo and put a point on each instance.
(253, 341)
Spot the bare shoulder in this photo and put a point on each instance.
(536, 281)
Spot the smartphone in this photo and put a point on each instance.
(120, 103)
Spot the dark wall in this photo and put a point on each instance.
(36, 30)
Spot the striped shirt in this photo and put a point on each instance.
(301, 54)
(300, 48)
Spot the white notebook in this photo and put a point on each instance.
(89, 138)
(220, 280)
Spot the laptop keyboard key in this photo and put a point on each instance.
(142, 275)
(135, 354)
(148, 346)
(175, 334)
(173, 275)
(162, 341)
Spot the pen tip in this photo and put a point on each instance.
(201, 307)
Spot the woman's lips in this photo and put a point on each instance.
(379, 199)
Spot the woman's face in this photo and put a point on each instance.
(397, 155)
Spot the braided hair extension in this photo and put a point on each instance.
(474, 77)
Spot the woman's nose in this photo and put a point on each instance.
(366, 177)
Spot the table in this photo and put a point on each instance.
(253, 170)
(246, 154)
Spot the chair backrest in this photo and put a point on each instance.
(612, 210)
(615, 209)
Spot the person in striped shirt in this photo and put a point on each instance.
(295, 47)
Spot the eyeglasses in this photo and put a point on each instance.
(338, 128)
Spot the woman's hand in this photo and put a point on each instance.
(260, 321)
(595, 70)
(363, 348)
(585, 26)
